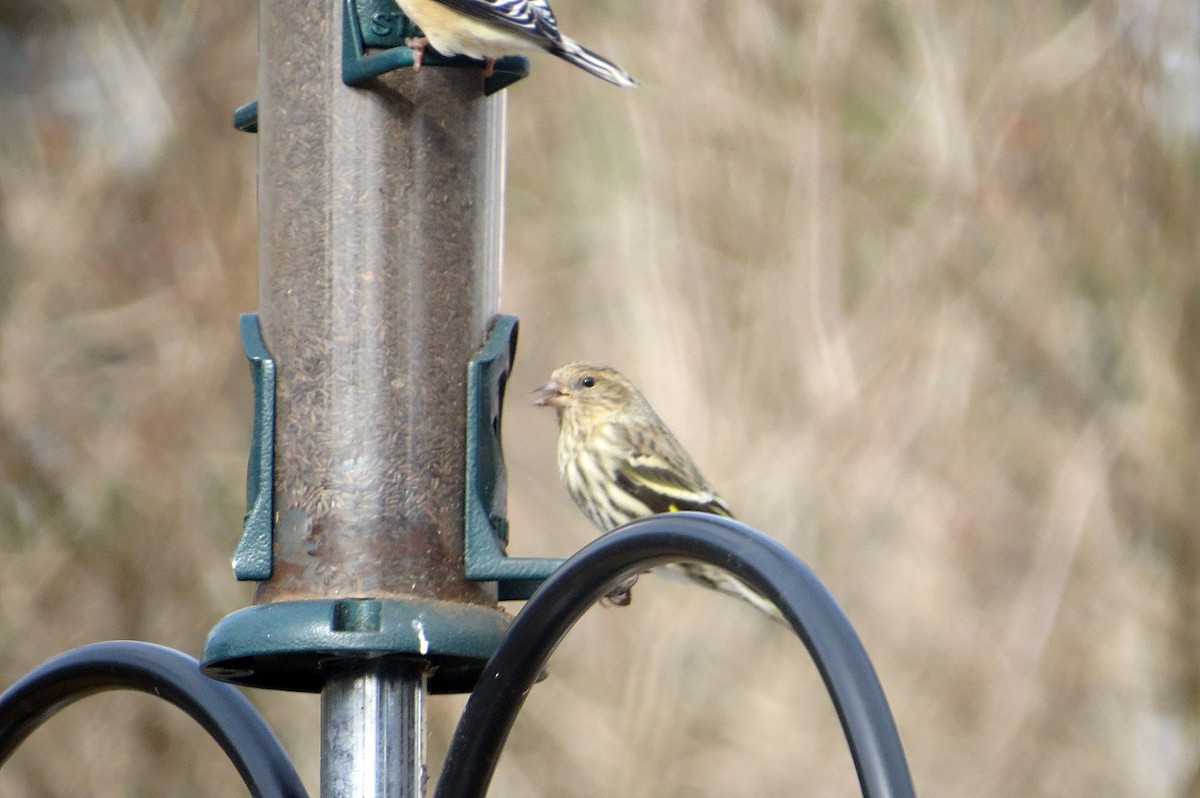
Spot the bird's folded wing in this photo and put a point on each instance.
(664, 490)
(532, 18)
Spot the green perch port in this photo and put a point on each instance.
(486, 527)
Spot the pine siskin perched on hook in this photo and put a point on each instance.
(489, 29)
(619, 462)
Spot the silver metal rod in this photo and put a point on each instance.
(373, 731)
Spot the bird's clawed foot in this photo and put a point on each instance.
(417, 44)
(621, 595)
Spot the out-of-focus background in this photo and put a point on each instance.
(916, 283)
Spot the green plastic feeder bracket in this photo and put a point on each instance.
(381, 25)
(253, 557)
(486, 527)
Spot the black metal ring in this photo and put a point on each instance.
(219, 708)
(646, 543)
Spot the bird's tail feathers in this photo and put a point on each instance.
(717, 579)
(598, 65)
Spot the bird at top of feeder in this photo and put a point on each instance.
(491, 29)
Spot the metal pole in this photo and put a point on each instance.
(373, 731)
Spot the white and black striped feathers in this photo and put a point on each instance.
(490, 29)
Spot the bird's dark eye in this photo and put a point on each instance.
(588, 382)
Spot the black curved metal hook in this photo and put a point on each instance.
(219, 708)
(751, 556)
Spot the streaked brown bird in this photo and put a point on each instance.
(620, 462)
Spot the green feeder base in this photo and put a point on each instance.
(288, 645)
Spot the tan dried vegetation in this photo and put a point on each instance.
(916, 282)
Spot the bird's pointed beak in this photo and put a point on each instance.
(550, 395)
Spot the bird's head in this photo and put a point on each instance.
(588, 391)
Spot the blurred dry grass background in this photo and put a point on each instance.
(916, 282)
